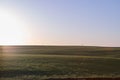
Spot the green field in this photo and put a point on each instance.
(44, 62)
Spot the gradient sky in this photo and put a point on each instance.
(70, 22)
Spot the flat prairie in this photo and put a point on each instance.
(46, 62)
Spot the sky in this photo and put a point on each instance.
(65, 22)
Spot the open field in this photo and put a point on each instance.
(44, 62)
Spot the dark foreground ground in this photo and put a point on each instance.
(59, 62)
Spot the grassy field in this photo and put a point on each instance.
(44, 62)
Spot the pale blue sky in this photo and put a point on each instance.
(70, 22)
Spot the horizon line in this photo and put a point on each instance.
(58, 45)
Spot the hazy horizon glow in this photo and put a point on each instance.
(60, 22)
